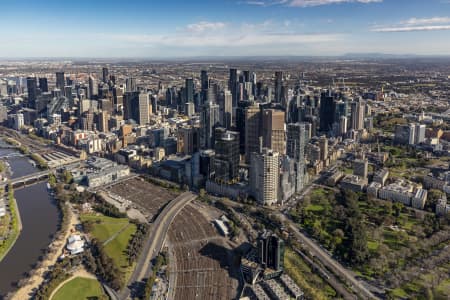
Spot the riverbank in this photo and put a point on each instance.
(16, 225)
(55, 250)
(37, 158)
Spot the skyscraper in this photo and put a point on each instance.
(264, 176)
(228, 109)
(60, 80)
(32, 91)
(145, 109)
(189, 90)
(271, 251)
(226, 160)
(273, 131)
(131, 84)
(93, 87)
(233, 86)
(327, 111)
(358, 108)
(278, 86)
(105, 75)
(296, 141)
(252, 130)
(209, 119)
(43, 84)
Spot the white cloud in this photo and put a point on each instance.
(412, 28)
(416, 24)
(205, 26)
(426, 21)
(305, 3)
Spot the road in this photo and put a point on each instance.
(155, 241)
(328, 261)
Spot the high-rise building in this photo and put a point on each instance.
(228, 109)
(187, 140)
(271, 251)
(358, 108)
(189, 90)
(295, 149)
(278, 86)
(405, 134)
(343, 123)
(105, 75)
(93, 87)
(264, 176)
(131, 84)
(60, 80)
(273, 130)
(103, 120)
(233, 86)
(43, 84)
(209, 119)
(32, 91)
(252, 130)
(204, 81)
(226, 160)
(327, 111)
(145, 109)
(419, 135)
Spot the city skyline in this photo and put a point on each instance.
(110, 29)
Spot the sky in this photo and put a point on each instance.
(188, 28)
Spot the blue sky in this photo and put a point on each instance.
(138, 28)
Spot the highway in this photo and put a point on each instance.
(155, 241)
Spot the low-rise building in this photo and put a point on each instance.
(381, 176)
(353, 183)
(419, 199)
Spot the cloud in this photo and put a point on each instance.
(411, 28)
(228, 35)
(205, 26)
(416, 24)
(426, 21)
(305, 3)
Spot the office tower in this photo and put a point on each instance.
(103, 120)
(204, 81)
(240, 123)
(343, 123)
(264, 176)
(131, 84)
(271, 251)
(252, 130)
(226, 160)
(323, 145)
(361, 168)
(117, 98)
(212, 92)
(60, 80)
(105, 75)
(273, 131)
(189, 90)
(171, 97)
(228, 109)
(3, 113)
(145, 109)
(209, 119)
(43, 84)
(93, 87)
(32, 92)
(278, 86)
(419, 133)
(188, 140)
(233, 86)
(106, 105)
(327, 111)
(358, 108)
(19, 121)
(296, 141)
(189, 109)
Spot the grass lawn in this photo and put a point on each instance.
(121, 229)
(315, 208)
(313, 286)
(104, 227)
(79, 289)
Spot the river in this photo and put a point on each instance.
(40, 221)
